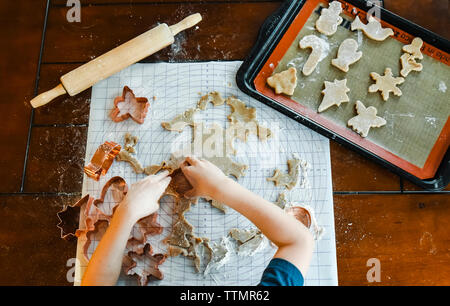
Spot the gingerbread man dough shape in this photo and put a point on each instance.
(284, 82)
(414, 48)
(367, 118)
(319, 48)
(409, 64)
(329, 19)
(334, 93)
(372, 29)
(386, 84)
(347, 55)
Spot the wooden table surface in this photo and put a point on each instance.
(377, 214)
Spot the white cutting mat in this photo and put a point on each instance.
(176, 88)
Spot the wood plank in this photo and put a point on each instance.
(227, 32)
(64, 109)
(430, 14)
(407, 233)
(353, 172)
(21, 31)
(32, 252)
(56, 159)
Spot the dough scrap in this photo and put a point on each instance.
(214, 97)
(367, 118)
(253, 246)
(130, 143)
(386, 84)
(347, 55)
(414, 48)
(209, 143)
(329, 18)
(243, 235)
(284, 81)
(409, 64)
(181, 121)
(372, 29)
(127, 157)
(243, 123)
(319, 49)
(290, 179)
(334, 93)
(281, 200)
(220, 255)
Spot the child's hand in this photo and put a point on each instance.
(203, 176)
(142, 197)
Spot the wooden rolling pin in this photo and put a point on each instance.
(117, 59)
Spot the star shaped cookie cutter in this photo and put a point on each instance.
(102, 160)
(128, 105)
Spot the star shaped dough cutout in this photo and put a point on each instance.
(367, 118)
(334, 93)
(386, 83)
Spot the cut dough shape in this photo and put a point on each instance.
(386, 84)
(319, 48)
(284, 81)
(127, 157)
(181, 121)
(409, 64)
(290, 179)
(214, 97)
(414, 48)
(145, 265)
(372, 29)
(130, 143)
(367, 118)
(239, 111)
(329, 19)
(334, 93)
(347, 55)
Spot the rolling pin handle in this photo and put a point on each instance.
(47, 96)
(186, 23)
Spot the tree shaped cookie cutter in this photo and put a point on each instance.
(102, 160)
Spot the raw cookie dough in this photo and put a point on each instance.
(290, 179)
(329, 19)
(386, 84)
(253, 246)
(181, 121)
(372, 29)
(214, 97)
(243, 122)
(347, 55)
(334, 93)
(367, 118)
(284, 81)
(414, 48)
(130, 143)
(319, 49)
(281, 201)
(243, 235)
(127, 157)
(409, 64)
(220, 255)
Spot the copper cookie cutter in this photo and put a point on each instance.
(102, 160)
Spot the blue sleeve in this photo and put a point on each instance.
(281, 272)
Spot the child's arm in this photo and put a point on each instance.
(293, 239)
(141, 200)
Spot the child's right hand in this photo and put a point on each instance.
(203, 175)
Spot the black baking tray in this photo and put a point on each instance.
(271, 33)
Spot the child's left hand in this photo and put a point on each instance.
(143, 196)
